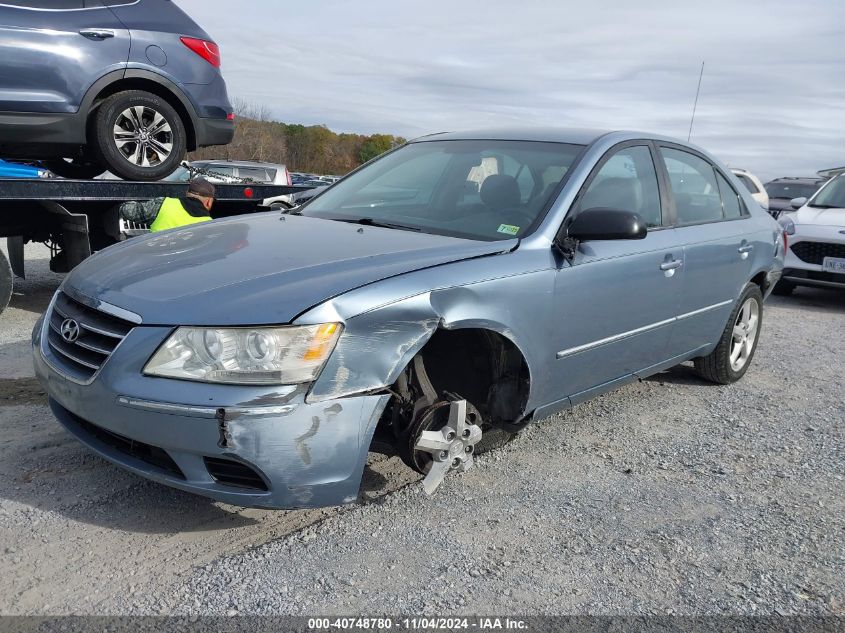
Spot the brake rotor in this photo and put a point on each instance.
(443, 439)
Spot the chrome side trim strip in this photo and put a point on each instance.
(639, 330)
(203, 412)
(703, 310)
(614, 338)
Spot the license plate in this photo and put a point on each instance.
(834, 264)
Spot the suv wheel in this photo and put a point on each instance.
(139, 136)
(732, 356)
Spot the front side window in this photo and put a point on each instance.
(693, 183)
(478, 189)
(626, 181)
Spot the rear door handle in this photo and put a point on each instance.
(744, 250)
(672, 265)
(97, 34)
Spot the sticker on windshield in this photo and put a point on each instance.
(508, 229)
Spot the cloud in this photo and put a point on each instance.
(772, 99)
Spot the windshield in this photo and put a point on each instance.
(790, 190)
(485, 190)
(832, 196)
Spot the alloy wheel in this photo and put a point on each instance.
(143, 136)
(744, 333)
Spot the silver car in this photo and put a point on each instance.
(431, 305)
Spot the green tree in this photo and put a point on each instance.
(375, 145)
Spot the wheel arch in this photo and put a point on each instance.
(147, 81)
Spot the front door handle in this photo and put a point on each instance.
(744, 250)
(672, 265)
(97, 34)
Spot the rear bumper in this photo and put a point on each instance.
(214, 132)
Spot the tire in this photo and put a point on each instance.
(136, 113)
(783, 288)
(75, 169)
(718, 366)
(6, 282)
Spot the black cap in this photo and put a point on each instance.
(201, 187)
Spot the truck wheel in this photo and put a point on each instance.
(6, 281)
(75, 169)
(732, 356)
(139, 136)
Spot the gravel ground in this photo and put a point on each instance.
(667, 496)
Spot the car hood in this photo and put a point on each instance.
(259, 269)
(820, 217)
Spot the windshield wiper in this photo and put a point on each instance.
(379, 223)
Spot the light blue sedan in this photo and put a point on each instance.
(430, 304)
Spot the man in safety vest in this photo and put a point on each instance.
(192, 208)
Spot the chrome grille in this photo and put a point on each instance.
(98, 334)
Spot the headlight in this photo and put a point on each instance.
(254, 356)
(787, 224)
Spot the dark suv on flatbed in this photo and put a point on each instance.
(127, 86)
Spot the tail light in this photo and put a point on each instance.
(209, 51)
(230, 116)
(290, 182)
(785, 243)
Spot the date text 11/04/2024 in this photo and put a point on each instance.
(417, 624)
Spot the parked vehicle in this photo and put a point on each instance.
(244, 170)
(754, 185)
(783, 190)
(15, 170)
(257, 360)
(113, 85)
(816, 235)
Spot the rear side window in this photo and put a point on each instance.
(626, 181)
(749, 184)
(693, 183)
(730, 198)
(254, 173)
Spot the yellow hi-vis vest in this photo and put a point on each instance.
(172, 214)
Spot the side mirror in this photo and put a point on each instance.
(600, 223)
(797, 203)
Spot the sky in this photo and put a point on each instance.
(772, 95)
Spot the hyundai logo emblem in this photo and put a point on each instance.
(70, 330)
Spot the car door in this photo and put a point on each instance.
(52, 51)
(715, 228)
(616, 300)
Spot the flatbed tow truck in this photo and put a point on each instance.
(75, 218)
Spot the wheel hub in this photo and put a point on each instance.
(449, 448)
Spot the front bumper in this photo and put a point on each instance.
(179, 433)
(804, 273)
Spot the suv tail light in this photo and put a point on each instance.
(785, 243)
(290, 182)
(209, 51)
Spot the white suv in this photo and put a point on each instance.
(816, 234)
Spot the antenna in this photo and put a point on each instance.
(695, 104)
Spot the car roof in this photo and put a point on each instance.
(809, 180)
(575, 136)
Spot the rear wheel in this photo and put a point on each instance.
(6, 282)
(732, 356)
(139, 136)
